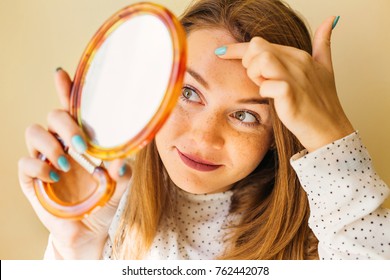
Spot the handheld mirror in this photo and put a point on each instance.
(126, 84)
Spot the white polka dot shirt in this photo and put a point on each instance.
(344, 192)
(195, 233)
(345, 195)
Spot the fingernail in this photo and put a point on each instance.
(79, 144)
(220, 50)
(54, 176)
(58, 69)
(63, 163)
(122, 170)
(336, 20)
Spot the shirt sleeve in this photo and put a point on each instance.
(345, 196)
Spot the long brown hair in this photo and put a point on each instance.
(270, 202)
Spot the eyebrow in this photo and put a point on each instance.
(198, 77)
(254, 101)
(202, 81)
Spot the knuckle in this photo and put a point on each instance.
(305, 58)
(256, 41)
(267, 57)
(256, 44)
(55, 150)
(22, 163)
(58, 116)
(54, 115)
(62, 122)
(32, 130)
(41, 170)
(286, 90)
(55, 153)
(31, 168)
(254, 75)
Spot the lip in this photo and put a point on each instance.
(197, 163)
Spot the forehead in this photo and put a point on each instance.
(226, 74)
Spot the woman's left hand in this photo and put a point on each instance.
(302, 86)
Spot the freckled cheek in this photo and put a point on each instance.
(249, 151)
(175, 125)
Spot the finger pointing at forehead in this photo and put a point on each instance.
(232, 51)
(245, 51)
(259, 57)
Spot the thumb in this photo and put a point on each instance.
(321, 43)
(63, 85)
(120, 171)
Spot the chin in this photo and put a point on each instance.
(189, 186)
(196, 187)
(195, 190)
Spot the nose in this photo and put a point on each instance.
(207, 131)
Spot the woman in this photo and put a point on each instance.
(217, 181)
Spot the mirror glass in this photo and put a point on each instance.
(126, 81)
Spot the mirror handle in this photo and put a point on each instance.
(77, 211)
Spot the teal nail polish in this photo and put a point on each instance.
(122, 170)
(58, 69)
(221, 50)
(336, 20)
(79, 144)
(63, 163)
(54, 176)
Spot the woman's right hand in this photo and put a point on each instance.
(72, 239)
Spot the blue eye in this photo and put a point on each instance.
(246, 117)
(188, 94)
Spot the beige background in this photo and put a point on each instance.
(38, 36)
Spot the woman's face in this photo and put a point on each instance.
(221, 128)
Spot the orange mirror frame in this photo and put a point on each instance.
(106, 186)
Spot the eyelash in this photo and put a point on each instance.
(182, 97)
(255, 115)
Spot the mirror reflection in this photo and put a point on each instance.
(126, 81)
